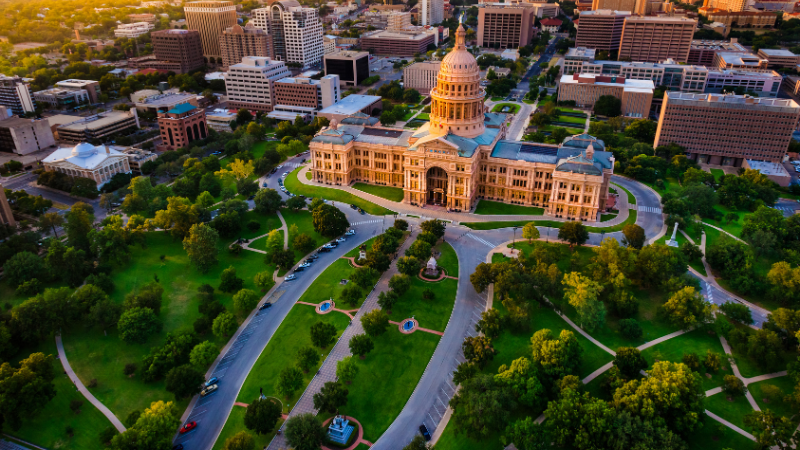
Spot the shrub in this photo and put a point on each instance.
(75, 405)
(253, 225)
(428, 294)
(129, 369)
(691, 360)
(92, 383)
(733, 386)
(630, 328)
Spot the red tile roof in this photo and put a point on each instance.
(551, 22)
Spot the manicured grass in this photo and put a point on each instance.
(261, 243)
(308, 175)
(386, 378)
(631, 198)
(94, 355)
(718, 173)
(48, 427)
(732, 411)
(570, 119)
(716, 436)
(779, 407)
(235, 424)
(390, 193)
(452, 439)
(733, 227)
(499, 257)
(423, 116)
(612, 190)
(632, 214)
(268, 223)
(570, 110)
(512, 108)
(447, 259)
(305, 224)
(296, 187)
(607, 217)
(497, 99)
(328, 285)
(696, 341)
(292, 335)
(260, 147)
(488, 207)
(569, 130)
(432, 314)
(546, 223)
(367, 244)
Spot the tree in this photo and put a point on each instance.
(274, 243)
(418, 443)
(184, 381)
(201, 246)
(263, 279)
(738, 312)
(346, 369)
(478, 350)
(771, 431)
(630, 361)
(52, 221)
(148, 296)
(24, 391)
(303, 243)
(490, 323)
(420, 250)
(360, 345)
(289, 380)
(363, 276)
(387, 299)
(224, 325)
(307, 358)
(229, 282)
(634, 236)
(375, 322)
(79, 223)
(22, 267)
(137, 324)
(686, 308)
(203, 354)
(608, 105)
(240, 441)
(482, 277)
(400, 284)
(178, 217)
(630, 328)
(105, 313)
(238, 170)
(323, 334)
(656, 264)
(267, 201)
(582, 293)
(331, 397)
(245, 300)
(305, 432)
(556, 357)
(350, 294)
(733, 386)
(329, 221)
(573, 232)
(763, 347)
(408, 265)
(262, 415)
(526, 434)
(295, 203)
(530, 232)
(153, 429)
(388, 119)
(481, 406)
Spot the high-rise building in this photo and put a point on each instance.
(727, 129)
(726, 5)
(179, 46)
(15, 94)
(210, 18)
(502, 25)
(544, 9)
(296, 31)
(250, 84)
(431, 12)
(640, 7)
(601, 29)
(398, 21)
(304, 96)
(654, 39)
(351, 67)
(237, 42)
(24, 136)
(181, 125)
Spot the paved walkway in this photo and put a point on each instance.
(730, 425)
(62, 356)
(720, 229)
(439, 333)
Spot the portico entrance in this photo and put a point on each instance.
(436, 182)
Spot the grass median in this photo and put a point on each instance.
(489, 208)
(393, 194)
(548, 223)
(296, 187)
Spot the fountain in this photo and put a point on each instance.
(408, 325)
(325, 306)
(340, 430)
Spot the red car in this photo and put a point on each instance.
(188, 427)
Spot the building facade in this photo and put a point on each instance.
(249, 84)
(544, 9)
(601, 29)
(210, 18)
(502, 25)
(398, 43)
(15, 94)
(133, 30)
(421, 76)
(98, 126)
(181, 125)
(181, 47)
(304, 96)
(24, 136)
(61, 98)
(296, 31)
(725, 5)
(779, 58)
(724, 60)
(431, 12)
(726, 129)
(655, 39)
(98, 163)
(755, 19)
(237, 42)
(351, 67)
(460, 156)
(92, 87)
(703, 51)
(640, 7)
(585, 89)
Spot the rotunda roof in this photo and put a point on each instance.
(83, 149)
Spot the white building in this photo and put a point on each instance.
(133, 30)
(59, 97)
(250, 84)
(431, 12)
(329, 43)
(296, 31)
(220, 119)
(98, 163)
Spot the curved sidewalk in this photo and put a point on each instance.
(88, 395)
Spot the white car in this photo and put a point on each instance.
(280, 167)
(340, 240)
(305, 265)
(284, 174)
(290, 277)
(208, 390)
(350, 232)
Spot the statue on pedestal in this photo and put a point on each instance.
(672, 242)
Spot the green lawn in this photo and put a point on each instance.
(448, 259)
(295, 186)
(423, 116)
(268, 223)
(309, 175)
(497, 99)
(386, 378)
(451, 439)
(632, 214)
(367, 244)
(432, 314)
(779, 407)
(94, 355)
(570, 110)
(732, 411)
(715, 436)
(696, 341)
(631, 198)
(570, 119)
(607, 217)
(718, 173)
(487, 207)
(235, 424)
(734, 227)
(260, 147)
(305, 224)
(394, 194)
(569, 130)
(512, 108)
(292, 335)
(327, 285)
(47, 428)
(546, 223)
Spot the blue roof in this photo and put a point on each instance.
(182, 108)
(493, 120)
(526, 151)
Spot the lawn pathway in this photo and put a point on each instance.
(720, 229)
(341, 350)
(730, 425)
(62, 356)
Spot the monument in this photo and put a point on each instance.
(672, 242)
(431, 268)
(339, 430)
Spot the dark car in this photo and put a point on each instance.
(354, 206)
(251, 197)
(265, 306)
(361, 211)
(177, 447)
(299, 269)
(323, 250)
(423, 430)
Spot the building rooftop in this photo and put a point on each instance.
(411, 35)
(220, 114)
(704, 44)
(95, 122)
(347, 54)
(75, 83)
(734, 101)
(605, 12)
(14, 122)
(165, 100)
(768, 168)
(84, 155)
(351, 104)
(740, 59)
(781, 52)
(256, 61)
(581, 52)
(551, 22)
(605, 80)
(182, 108)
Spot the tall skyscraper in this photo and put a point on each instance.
(502, 25)
(180, 46)
(431, 12)
(296, 31)
(655, 39)
(15, 94)
(210, 18)
(601, 29)
(237, 42)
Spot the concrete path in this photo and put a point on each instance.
(585, 334)
(730, 425)
(720, 229)
(663, 338)
(62, 356)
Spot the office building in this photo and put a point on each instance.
(550, 25)
(585, 89)
(61, 98)
(727, 129)
(296, 31)
(351, 67)
(421, 76)
(755, 19)
(638, 7)
(724, 60)
(136, 157)
(183, 49)
(98, 126)
(180, 126)
(764, 83)
(210, 18)
(6, 215)
(779, 58)
(726, 5)
(146, 17)
(397, 21)
(703, 51)
(237, 42)
(398, 43)
(155, 101)
(505, 25)
(24, 136)
(304, 96)
(15, 94)
(97, 163)
(133, 30)
(655, 39)
(249, 84)
(431, 12)
(601, 29)
(220, 120)
(544, 9)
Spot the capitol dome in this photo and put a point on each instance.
(84, 149)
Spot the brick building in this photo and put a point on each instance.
(655, 39)
(250, 84)
(177, 49)
(601, 29)
(585, 89)
(505, 25)
(181, 125)
(397, 43)
(237, 42)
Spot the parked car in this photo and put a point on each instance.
(423, 430)
(361, 211)
(299, 269)
(305, 265)
(188, 427)
(284, 174)
(266, 305)
(290, 277)
(350, 232)
(208, 390)
(213, 380)
(323, 249)
(340, 240)
(353, 206)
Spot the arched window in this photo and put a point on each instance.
(189, 134)
(171, 139)
(196, 133)
(202, 130)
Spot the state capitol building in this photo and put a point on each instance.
(462, 156)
